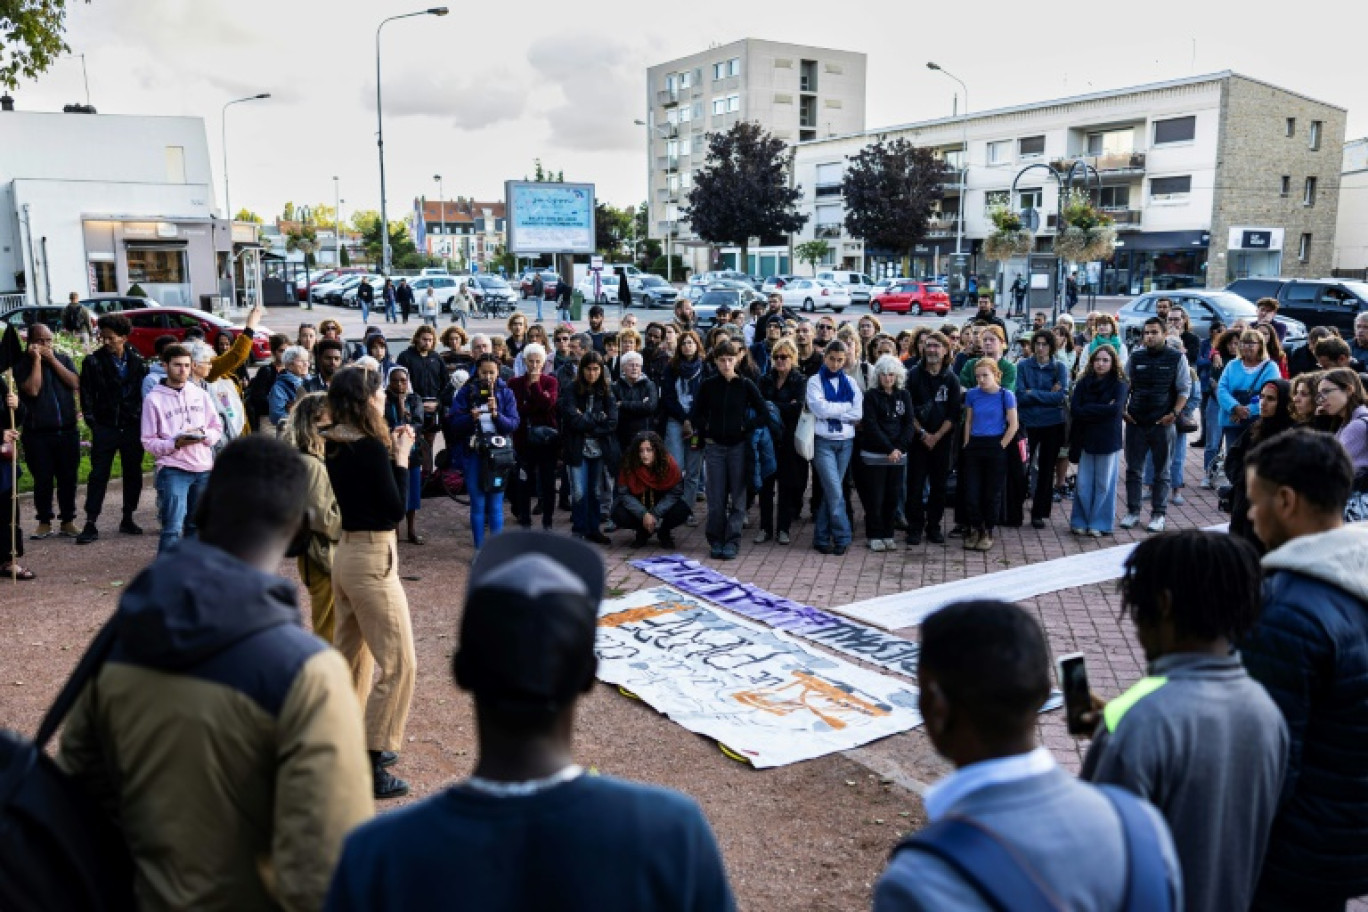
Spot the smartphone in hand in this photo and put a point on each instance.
(1073, 680)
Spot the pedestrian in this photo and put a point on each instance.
(990, 427)
(1358, 345)
(289, 385)
(526, 656)
(111, 404)
(223, 345)
(1238, 389)
(455, 355)
(535, 441)
(1268, 312)
(9, 488)
(884, 438)
(722, 418)
(1304, 389)
(1160, 384)
(46, 381)
(1330, 353)
(1309, 649)
(223, 392)
(180, 428)
(1008, 826)
(368, 468)
(403, 296)
(588, 417)
(377, 346)
(1096, 409)
(937, 403)
(624, 294)
(1071, 291)
(987, 313)
(388, 297)
(75, 320)
(427, 377)
(538, 292)
(403, 407)
(564, 296)
(218, 697)
(327, 361)
(1019, 294)
(483, 412)
(835, 402)
(365, 297)
(258, 393)
(304, 432)
(648, 499)
(1341, 404)
(463, 304)
(677, 393)
(1105, 332)
(781, 494)
(1042, 392)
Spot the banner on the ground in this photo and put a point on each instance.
(761, 693)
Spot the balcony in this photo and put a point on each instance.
(953, 176)
(821, 190)
(827, 231)
(667, 229)
(1124, 218)
(1107, 164)
(667, 163)
(668, 131)
(666, 195)
(667, 97)
(942, 226)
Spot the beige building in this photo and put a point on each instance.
(1207, 178)
(1351, 228)
(798, 93)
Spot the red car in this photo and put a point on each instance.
(550, 280)
(150, 324)
(912, 296)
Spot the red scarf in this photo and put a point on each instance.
(641, 478)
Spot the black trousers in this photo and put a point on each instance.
(924, 465)
(53, 456)
(781, 495)
(1045, 444)
(105, 444)
(985, 468)
(882, 486)
(536, 475)
(673, 518)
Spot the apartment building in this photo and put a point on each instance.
(1351, 228)
(462, 231)
(797, 93)
(1207, 179)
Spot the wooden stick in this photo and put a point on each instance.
(14, 489)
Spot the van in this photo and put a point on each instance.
(859, 285)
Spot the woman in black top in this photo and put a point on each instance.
(403, 406)
(724, 412)
(588, 417)
(785, 387)
(368, 465)
(884, 438)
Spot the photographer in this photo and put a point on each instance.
(483, 414)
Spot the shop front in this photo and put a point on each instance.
(172, 262)
(1156, 261)
(1253, 250)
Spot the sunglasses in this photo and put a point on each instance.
(783, 357)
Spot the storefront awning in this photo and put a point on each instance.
(1164, 240)
(155, 242)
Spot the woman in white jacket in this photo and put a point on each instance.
(836, 402)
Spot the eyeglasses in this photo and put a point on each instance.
(1322, 394)
(782, 357)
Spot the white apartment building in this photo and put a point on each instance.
(795, 92)
(1351, 229)
(1207, 179)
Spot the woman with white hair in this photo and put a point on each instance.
(535, 442)
(884, 438)
(223, 391)
(294, 367)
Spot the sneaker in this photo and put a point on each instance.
(129, 527)
(935, 537)
(387, 785)
(1037, 523)
(43, 531)
(985, 542)
(666, 539)
(761, 537)
(839, 550)
(1129, 520)
(1206, 483)
(639, 540)
(890, 544)
(914, 538)
(88, 534)
(1094, 533)
(822, 549)
(69, 530)
(716, 552)
(1178, 499)
(782, 538)
(384, 759)
(1077, 530)
(1156, 524)
(971, 540)
(692, 521)
(876, 544)
(729, 551)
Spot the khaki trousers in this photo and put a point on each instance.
(321, 602)
(373, 628)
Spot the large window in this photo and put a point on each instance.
(157, 265)
(104, 278)
(720, 70)
(733, 103)
(1175, 130)
(1031, 146)
(1112, 198)
(719, 105)
(1111, 142)
(1170, 188)
(999, 152)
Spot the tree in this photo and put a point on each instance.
(743, 190)
(247, 215)
(890, 189)
(612, 228)
(30, 38)
(812, 252)
(543, 176)
(303, 239)
(287, 214)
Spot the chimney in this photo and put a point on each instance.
(6, 102)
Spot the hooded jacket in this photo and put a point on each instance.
(167, 413)
(225, 737)
(108, 399)
(1310, 650)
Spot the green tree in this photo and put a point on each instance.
(303, 239)
(612, 229)
(287, 213)
(743, 190)
(31, 38)
(890, 190)
(812, 252)
(247, 215)
(543, 176)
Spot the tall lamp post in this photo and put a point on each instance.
(669, 257)
(380, 131)
(964, 165)
(337, 223)
(227, 202)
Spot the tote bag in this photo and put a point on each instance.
(805, 436)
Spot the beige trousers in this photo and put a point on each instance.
(321, 603)
(373, 628)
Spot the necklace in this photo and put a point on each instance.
(526, 787)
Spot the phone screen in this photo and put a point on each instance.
(1073, 680)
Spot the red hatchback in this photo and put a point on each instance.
(150, 324)
(912, 296)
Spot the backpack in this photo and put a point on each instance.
(58, 848)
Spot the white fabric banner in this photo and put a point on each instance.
(763, 694)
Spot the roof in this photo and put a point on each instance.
(459, 210)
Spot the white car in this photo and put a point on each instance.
(859, 285)
(443, 285)
(377, 284)
(812, 294)
(607, 290)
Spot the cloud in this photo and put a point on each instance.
(600, 83)
(469, 104)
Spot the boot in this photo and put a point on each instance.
(385, 784)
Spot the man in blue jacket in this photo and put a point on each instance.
(1310, 650)
(1042, 388)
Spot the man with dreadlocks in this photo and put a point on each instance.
(1174, 738)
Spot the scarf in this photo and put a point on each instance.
(835, 388)
(641, 479)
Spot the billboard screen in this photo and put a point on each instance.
(549, 218)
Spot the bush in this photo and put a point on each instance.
(658, 267)
(136, 291)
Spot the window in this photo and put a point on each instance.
(1031, 146)
(719, 70)
(1315, 135)
(1304, 248)
(1175, 130)
(686, 180)
(1112, 198)
(670, 83)
(1286, 186)
(672, 116)
(953, 158)
(733, 103)
(828, 182)
(1170, 188)
(175, 165)
(1291, 126)
(734, 66)
(104, 278)
(685, 79)
(1111, 142)
(994, 198)
(1031, 198)
(157, 265)
(672, 148)
(999, 152)
(685, 113)
(686, 146)
(719, 105)
(672, 184)
(1309, 192)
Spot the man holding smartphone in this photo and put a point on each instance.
(1197, 737)
(180, 425)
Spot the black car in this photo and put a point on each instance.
(1315, 302)
(24, 316)
(117, 304)
(1253, 289)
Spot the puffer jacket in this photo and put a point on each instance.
(226, 738)
(1310, 650)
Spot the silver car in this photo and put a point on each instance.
(1202, 306)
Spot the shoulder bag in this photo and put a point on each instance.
(805, 436)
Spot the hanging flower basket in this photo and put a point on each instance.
(1006, 245)
(1101, 243)
(1070, 243)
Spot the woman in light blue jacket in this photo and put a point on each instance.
(1241, 380)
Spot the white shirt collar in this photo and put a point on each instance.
(944, 795)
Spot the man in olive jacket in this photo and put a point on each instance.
(225, 738)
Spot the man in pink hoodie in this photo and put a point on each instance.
(180, 426)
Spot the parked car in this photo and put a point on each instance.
(433, 271)
(150, 324)
(550, 280)
(705, 308)
(376, 282)
(1257, 287)
(1201, 306)
(490, 290)
(811, 294)
(25, 315)
(116, 304)
(443, 285)
(912, 296)
(330, 292)
(656, 292)
(775, 282)
(859, 285)
(607, 292)
(708, 278)
(1316, 302)
(634, 275)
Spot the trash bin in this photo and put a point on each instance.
(576, 304)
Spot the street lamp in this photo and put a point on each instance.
(669, 257)
(337, 223)
(227, 203)
(380, 131)
(964, 165)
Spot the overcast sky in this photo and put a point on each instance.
(475, 98)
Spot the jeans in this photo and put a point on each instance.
(390, 315)
(925, 465)
(178, 494)
(985, 470)
(689, 460)
(540, 300)
(726, 478)
(485, 509)
(536, 474)
(1214, 437)
(1180, 447)
(53, 455)
(563, 314)
(365, 310)
(1094, 505)
(584, 511)
(882, 487)
(829, 462)
(1155, 441)
(1045, 444)
(105, 443)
